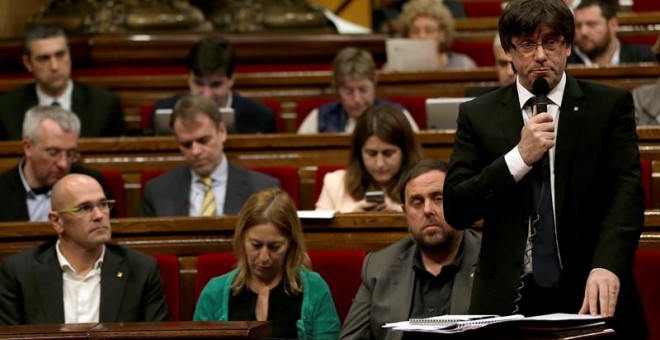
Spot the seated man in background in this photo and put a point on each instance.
(47, 57)
(354, 78)
(81, 277)
(211, 75)
(647, 98)
(505, 73)
(596, 42)
(209, 185)
(50, 147)
(427, 274)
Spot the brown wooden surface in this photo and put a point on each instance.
(132, 155)
(189, 237)
(141, 330)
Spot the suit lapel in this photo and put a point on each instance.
(47, 269)
(236, 189)
(571, 118)
(114, 276)
(464, 278)
(181, 190)
(402, 283)
(78, 106)
(509, 116)
(18, 197)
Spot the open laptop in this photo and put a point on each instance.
(162, 121)
(409, 55)
(441, 113)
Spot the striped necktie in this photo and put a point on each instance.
(208, 204)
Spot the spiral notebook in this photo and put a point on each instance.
(462, 320)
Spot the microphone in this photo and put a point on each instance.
(540, 88)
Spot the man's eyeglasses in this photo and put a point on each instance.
(549, 45)
(86, 208)
(56, 154)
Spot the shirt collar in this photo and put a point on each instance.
(28, 190)
(66, 266)
(217, 175)
(616, 58)
(230, 98)
(556, 94)
(64, 100)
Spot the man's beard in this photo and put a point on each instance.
(599, 47)
(439, 240)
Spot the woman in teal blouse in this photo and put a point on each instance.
(272, 280)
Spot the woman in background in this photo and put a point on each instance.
(273, 280)
(431, 20)
(354, 78)
(383, 147)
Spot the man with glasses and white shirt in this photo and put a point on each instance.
(50, 147)
(551, 165)
(80, 277)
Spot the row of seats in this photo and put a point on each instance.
(290, 182)
(416, 105)
(339, 268)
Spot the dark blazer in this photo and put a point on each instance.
(599, 198)
(169, 193)
(99, 111)
(251, 115)
(31, 287)
(13, 205)
(630, 53)
(388, 282)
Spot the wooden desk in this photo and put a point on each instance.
(144, 330)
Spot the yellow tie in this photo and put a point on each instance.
(208, 204)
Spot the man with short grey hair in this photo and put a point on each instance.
(50, 148)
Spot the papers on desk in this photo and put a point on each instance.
(316, 214)
(449, 324)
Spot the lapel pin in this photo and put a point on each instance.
(120, 274)
(575, 109)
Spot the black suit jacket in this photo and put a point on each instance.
(599, 201)
(630, 53)
(169, 193)
(13, 205)
(251, 115)
(31, 287)
(99, 111)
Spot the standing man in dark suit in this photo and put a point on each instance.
(80, 278)
(47, 57)
(427, 274)
(596, 43)
(566, 244)
(50, 146)
(211, 75)
(209, 185)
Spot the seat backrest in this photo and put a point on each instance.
(168, 265)
(321, 170)
(341, 269)
(114, 181)
(481, 51)
(289, 179)
(647, 276)
(146, 175)
(482, 8)
(647, 182)
(645, 5)
(416, 105)
(305, 106)
(275, 105)
(146, 116)
(211, 265)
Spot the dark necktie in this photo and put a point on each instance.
(545, 260)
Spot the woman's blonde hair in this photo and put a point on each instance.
(353, 63)
(428, 8)
(276, 207)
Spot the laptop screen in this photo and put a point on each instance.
(441, 113)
